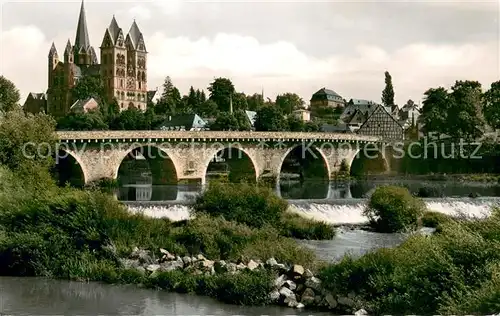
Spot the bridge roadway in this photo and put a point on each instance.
(100, 153)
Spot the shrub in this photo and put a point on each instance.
(248, 204)
(296, 226)
(393, 209)
(434, 219)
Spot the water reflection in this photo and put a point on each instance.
(310, 190)
(36, 296)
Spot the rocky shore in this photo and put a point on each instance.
(294, 286)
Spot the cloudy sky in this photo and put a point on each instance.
(278, 46)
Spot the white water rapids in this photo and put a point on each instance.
(337, 211)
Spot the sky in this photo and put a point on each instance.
(273, 46)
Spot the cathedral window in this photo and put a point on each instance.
(121, 83)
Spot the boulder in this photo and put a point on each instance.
(332, 303)
(300, 305)
(274, 296)
(153, 267)
(220, 266)
(314, 283)
(252, 265)
(307, 297)
(296, 271)
(361, 312)
(171, 265)
(346, 301)
(286, 292)
(290, 284)
(187, 260)
(308, 274)
(271, 262)
(280, 281)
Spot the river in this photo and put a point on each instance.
(336, 203)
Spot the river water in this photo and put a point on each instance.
(336, 203)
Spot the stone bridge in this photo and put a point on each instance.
(100, 153)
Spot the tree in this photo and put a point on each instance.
(243, 121)
(192, 99)
(9, 95)
(26, 140)
(209, 109)
(289, 102)
(130, 119)
(465, 118)
(255, 102)
(91, 121)
(295, 124)
(388, 92)
(221, 90)
(240, 101)
(87, 87)
(225, 122)
(491, 105)
(436, 105)
(170, 98)
(270, 118)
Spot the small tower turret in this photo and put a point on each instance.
(53, 61)
(68, 53)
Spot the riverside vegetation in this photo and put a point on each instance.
(237, 248)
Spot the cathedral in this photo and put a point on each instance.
(123, 71)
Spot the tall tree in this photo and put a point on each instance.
(221, 90)
(466, 114)
(9, 95)
(240, 101)
(388, 92)
(435, 108)
(192, 99)
(170, 98)
(491, 105)
(209, 108)
(288, 102)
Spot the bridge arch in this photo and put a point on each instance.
(317, 152)
(239, 157)
(62, 161)
(371, 159)
(164, 151)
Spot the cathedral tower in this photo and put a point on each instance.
(84, 53)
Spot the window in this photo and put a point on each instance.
(121, 83)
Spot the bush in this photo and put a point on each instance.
(393, 209)
(248, 204)
(434, 219)
(296, 226)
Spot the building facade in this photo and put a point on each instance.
(326, 98)
(381, 123)
(122, 67)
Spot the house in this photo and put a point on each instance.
(35, 103)
(302, 114)
(186, 122)
(356, 119)
(83, 106)
(382, 124)
(326, 98)
(366, 107)
(154, 95)
(251, 115)
(409, 114)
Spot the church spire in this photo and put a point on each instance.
(82, 34)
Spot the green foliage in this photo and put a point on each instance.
(434, 219)
(288, 102)
(456, 113)
(91, 121)
(270, 118)
(255, 101)
(221, 91)
(296, 226)
(388, 92)
(249, 204)
(26, 140)
(491, 105)
(87, 87)
(452, 272)
(393, 209)
(9, 95)
(237, 121)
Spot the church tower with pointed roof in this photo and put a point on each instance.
(122, 69)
